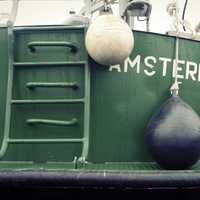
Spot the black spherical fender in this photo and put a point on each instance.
(173, 135)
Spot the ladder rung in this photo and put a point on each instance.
(64, 140)
(72, 122)
(49, 28)
(33, 85)
(21, 64)
(73, 101)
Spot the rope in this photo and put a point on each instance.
(173, 10)
(175, 87)
(183, 15)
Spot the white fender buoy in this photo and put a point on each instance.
(109, 40)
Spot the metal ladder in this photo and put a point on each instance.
(85, 100)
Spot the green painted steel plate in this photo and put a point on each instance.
(123, 99)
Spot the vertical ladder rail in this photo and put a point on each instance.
(85, 149)
(5, 140)
(10, 39)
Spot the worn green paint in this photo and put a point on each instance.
(47, 106)
(112, 108)
(123, 103)
(67, 73)
(57, 53)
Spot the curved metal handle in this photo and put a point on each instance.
(33, 85)
(32, 45)
(73, 122)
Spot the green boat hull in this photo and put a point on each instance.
(62, 114)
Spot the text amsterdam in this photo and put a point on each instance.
(149, 65)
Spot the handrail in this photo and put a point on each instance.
(72, 122)
(33, 85)
(32, 45)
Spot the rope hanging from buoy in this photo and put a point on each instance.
(175, 87)
(173, 133)
(172, 9)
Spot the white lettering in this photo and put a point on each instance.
(146, 61)
(165, 64)
(116, 67)
(199, 73)
(132, 64)
(185, 69)
(179, 69)
(191, 72)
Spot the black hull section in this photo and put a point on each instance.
(99, 180)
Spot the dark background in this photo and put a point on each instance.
(98, 193)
